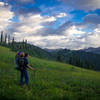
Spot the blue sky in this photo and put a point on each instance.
(52, 23)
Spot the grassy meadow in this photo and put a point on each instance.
(51, 80)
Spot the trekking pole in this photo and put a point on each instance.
(34, 74)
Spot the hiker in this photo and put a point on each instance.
(23, 65)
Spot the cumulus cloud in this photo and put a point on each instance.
(73, 31)
(30, 25)
(74, 36)
(68, 35)
(5, 15)
(83, 4)
(93, 40)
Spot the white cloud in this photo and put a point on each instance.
(73, 31)
(72, 35)
(30, 25)
(93, 40)
(5, 16)
(85, 39)
(60, 15)
(1, 4)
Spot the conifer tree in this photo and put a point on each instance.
(59, 58)
(8, 39)
(1, 37)
(78, 62)
(13, 40)
(5, 38)
(70, 60)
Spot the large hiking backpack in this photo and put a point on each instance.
(21, 63)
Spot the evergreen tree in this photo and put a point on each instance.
(92, 66)
(1, 37)
(59, 58)
(26, 41)
(87, 64)
(13, 40)
(78, 62)
(5, 38)
(8, 39)
(70, 60)
(23, 41)
(25, 44)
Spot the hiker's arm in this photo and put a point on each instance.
(30, 67)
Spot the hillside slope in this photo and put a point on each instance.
(31, 49)
(78, 58)
(51, 81)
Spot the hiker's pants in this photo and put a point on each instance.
(24, 74)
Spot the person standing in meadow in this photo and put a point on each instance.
(22, 67)
(27, 66)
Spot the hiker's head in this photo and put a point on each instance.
(26, 54)
(22, 54)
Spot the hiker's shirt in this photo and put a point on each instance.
(26, 62)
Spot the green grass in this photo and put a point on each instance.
(52, 80)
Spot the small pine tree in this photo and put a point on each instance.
(13, 40)
(92, 66)
(1, 37)
(25, 44)
(26, 41)
(5, 38)
(70, 60)
(87, 64)
(8, 39)
(78, 62)
(59, 58)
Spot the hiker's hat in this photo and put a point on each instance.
(22, 54)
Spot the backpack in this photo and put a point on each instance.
(21, 63)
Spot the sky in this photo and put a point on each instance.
(52, 24)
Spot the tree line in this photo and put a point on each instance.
(75, 59)
(9, 41)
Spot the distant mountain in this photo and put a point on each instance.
(93, 50)
(52, 50)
